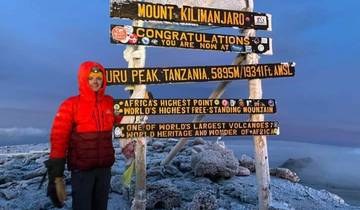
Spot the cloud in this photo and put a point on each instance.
(22, 132)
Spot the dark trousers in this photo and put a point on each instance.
(90, 189)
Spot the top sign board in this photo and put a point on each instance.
(132, 35)
(188, 14)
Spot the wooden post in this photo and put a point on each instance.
(135, 55)
(260, 143)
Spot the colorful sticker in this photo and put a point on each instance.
(133, 39)
(119, 34)
(145, 40)
(225, 102)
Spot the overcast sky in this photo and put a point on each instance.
(43, 42)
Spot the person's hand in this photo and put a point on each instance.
(60, 189)
(56, 192)
(56, 186)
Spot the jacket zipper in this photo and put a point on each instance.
(98, 128)
(98, 121)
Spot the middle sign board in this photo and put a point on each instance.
(160, 75)
(131, 35)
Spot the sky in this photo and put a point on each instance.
(42, 44)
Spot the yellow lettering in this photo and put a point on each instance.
(141, 10)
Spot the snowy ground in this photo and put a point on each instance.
(333, 168)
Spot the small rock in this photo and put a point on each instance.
(284, 173)
(171, 170)
(155, 171)
(297, 164)
(198, 148)
(242, 192)
(247, 162)
(167, 149)
(160, 195)
(334, 197)
(237, 206)
(275, 205)
(185, 167)
(198, 141)
(116, 185)
(243, 171)
(9, 194)
(215, 162)
(157, 145)
(204, 200)
(36, 173)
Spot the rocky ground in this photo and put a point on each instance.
(202, 176)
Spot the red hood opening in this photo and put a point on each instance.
(84, 89)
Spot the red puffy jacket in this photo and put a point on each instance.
(82, 128)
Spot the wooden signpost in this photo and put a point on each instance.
(247, 45)
(194, 106)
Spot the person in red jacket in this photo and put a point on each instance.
(81, 136)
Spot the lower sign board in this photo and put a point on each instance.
(199, 129)
(132, 35)
(129, 76)
(194, 106)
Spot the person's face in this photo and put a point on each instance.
(95, 81)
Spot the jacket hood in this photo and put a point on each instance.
(84, 89)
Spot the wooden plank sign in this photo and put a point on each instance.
(188, 14)
(125, 76)
(199, 129)
(194, 106)
(132, 35)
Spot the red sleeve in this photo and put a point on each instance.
(61, 130)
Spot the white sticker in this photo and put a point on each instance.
(261, 48)
(145, 40)
(260, 20)
(129, 29)
(118, 132)
(248, 48)
(264, 40)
